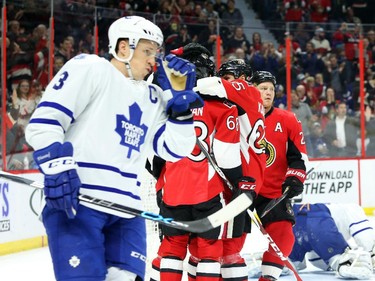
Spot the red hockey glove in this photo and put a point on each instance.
(294, 181)
(246, 185)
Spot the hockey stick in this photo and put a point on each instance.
(256, 221)
(272, 204)
(273, 245)
(214, 220)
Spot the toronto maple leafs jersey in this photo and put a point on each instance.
(325, 230)
(113, 122)
(353, 224)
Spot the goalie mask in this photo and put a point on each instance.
(236, 67)
(199, 56)
(263, 76)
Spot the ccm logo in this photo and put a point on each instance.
(59, 162)
(138, 256)
(248, 186)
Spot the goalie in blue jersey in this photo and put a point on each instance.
(332, 237)
(92, 132)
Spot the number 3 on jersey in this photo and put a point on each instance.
(202, 132)
(60, 83)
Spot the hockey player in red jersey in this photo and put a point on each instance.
(285, 171)
(232, 83)
(191, 187)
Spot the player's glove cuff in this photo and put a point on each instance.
(298, 173)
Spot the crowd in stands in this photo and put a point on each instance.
(325, 42)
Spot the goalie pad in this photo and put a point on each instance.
(253, 263)
(355, 264)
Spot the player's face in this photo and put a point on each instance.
(228, 76)
(143, 59)
(267, 92)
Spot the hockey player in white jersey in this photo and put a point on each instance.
(332, 237)
(336, 237)
(92, 132)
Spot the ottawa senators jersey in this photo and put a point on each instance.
(192, 180)
(250, 104)
(285, 148)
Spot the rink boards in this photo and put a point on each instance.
(336, 181)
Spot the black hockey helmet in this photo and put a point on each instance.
(263, 76)
(236, 67)
(199, 56)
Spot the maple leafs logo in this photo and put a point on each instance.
(131, 131)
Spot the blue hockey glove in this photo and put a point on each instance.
(178, 76)
(61, 181)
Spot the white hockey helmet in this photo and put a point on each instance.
(133, 28)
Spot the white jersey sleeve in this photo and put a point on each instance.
(352, 222)
(113, 122)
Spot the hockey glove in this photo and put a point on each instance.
(178, 76)
(61, 181)
(246, 185)
(294, 182)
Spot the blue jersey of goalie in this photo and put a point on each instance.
(324, 231)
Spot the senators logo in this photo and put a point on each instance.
(270, 152)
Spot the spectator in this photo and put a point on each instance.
(327, 107)
(335, 76)
(319, 10)
(351, 41)
(321, 45)
(370, 129)
(294, 11)
(197, 21)
(310, 93)
(338, 36)
(207, 37)
(256, 41)
(318, 142)
(310, 61)
(237, 40)
(58, 63)
(41, 62)
(319, 86)
(232, 15)
(178, 39)
(210, 12)
(16, 145)
(371, 42)
(341, 133)
(280, 97)
(300, 36)
(305, 116)
(19, 66)
(241, 54)
(65, 49)
(220, 7)
(17, 34)
(24, 101)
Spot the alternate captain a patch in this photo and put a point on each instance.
(131, 131)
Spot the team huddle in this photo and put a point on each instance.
(100, 122)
